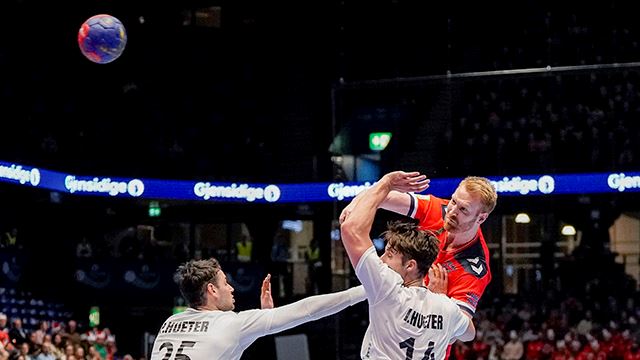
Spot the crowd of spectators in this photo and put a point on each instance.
(556, 326)
(55, 341)
(561, 123)
(33, 328)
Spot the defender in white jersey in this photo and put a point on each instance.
(209, 330)
(406, 320)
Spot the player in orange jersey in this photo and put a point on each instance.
(461, 269)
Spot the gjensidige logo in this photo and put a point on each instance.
(20, 174)
(545, 184)
(206, 191)
(622, 182)
(134, 187)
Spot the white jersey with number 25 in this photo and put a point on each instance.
(217, 335)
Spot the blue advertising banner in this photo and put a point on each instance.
(202, 190)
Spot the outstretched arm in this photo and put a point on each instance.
(256, 323)
(399, 202)
(355, 229)
(396, 201)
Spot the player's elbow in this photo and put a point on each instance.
(348, 229)
(469, 334)
(353, 233)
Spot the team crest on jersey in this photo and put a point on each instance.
(473, 260)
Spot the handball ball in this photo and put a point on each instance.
(102, 38)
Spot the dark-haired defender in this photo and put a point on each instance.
(210, 330)
(406, 320)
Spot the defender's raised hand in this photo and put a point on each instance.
(266, 300)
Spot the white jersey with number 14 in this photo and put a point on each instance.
(405, 323)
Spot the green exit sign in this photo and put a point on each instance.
(154, 209)
(378, 141)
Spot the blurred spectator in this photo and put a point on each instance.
(280, 265)
(71, 334)
(25, 351)
(94, 354)
(69, 351)
(83, 249)
(4, 354)
(462, 350)
(112, 349)
(46, 352)
(633, 353)
(10, 238)
(80, 353)
(480, 347)
(4, 331)
(59, 344)
(513, 350)
(100, 343)
(561, 352)
(17, 334)
(3, 323)
(244, 249)
(585, 325)
(39, 334)
(314, 266)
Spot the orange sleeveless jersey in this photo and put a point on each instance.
(467, 267)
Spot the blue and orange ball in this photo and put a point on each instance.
(102, 38)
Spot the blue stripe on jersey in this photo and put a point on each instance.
(412, 205)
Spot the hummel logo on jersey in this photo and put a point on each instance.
(473, 261)
(477, 269)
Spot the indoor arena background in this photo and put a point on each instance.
(288, 93)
